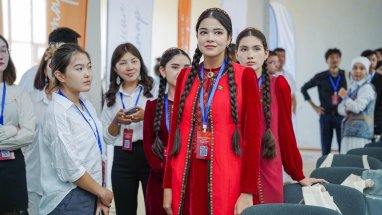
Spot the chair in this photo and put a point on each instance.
(375, 152)
(374, 144)
(350, 161)
(336, 175)
(287, 209)
(350, 201)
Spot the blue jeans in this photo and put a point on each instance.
(328, 123)
(78, 201)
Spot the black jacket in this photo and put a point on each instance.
(377, 82)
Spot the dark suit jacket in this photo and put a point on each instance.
(377, 82)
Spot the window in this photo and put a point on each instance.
(24, 27)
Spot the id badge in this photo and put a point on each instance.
(127, 143)
(6, 155)
(203, 145)
(335, 99)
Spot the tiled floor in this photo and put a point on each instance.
(309, 158)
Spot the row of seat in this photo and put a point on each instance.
(350, 201)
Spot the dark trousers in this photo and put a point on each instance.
(129, 167)
(328, 123)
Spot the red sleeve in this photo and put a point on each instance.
(149, 137)
(290, 155)
(251, 133)
(167, 181)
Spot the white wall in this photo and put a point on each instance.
(350, 25)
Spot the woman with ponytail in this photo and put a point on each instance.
(278, 145)
(214, 155)
(156, 126)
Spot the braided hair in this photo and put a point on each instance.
(225, 20)
(268, 140)
(157, 146)
(146, 81)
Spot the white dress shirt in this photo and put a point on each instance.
(31, 152)
(27, 80)
(19, 120)
(68, 149)
(290, 80)
(108, 114)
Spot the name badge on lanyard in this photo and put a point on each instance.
(95, 132)
(5, 154)
(204, 138)
(335, 99)
(127, 137)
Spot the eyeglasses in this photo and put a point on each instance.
(4, 52)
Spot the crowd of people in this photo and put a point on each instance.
(212, 138)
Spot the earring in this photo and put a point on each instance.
(139, 78)
(118, 81)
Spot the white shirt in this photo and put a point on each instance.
(27, 80)
(290, 80)
(108, 114)
(31, 152)
(68, 149)
(19, 120)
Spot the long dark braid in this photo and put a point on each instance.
(186, 91)
(233, 101)
(170, 53)
(157, 146)
(268, 140)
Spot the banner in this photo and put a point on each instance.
(68, 13)
(184, 19)
(127, 21)
(237, 10)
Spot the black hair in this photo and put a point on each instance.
(379, 64)
(268, 140)
(62, 56)
(331, 52)
(9, 74)
(378, 50)
(224, 20)
(157, 146)
(146, 81)
(279, 49)
(63, 35)
(367, 53)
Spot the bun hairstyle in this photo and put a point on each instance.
(268, 140)
(224, 20)
(157, 146)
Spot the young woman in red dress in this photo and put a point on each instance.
(214, 155)
(279, 147)
(156, 126)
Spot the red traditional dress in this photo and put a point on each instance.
(213, 187)
(287, 153)
(154, 190)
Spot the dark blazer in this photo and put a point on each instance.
(377, 82)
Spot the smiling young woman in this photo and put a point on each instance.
(122, 117)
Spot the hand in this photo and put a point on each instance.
(105, 197)
(244, 201)
(310, 181)
(138, 116)
(319, 110)
(101, 207)
(167, 200)
(121, 118)
(343, 92)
